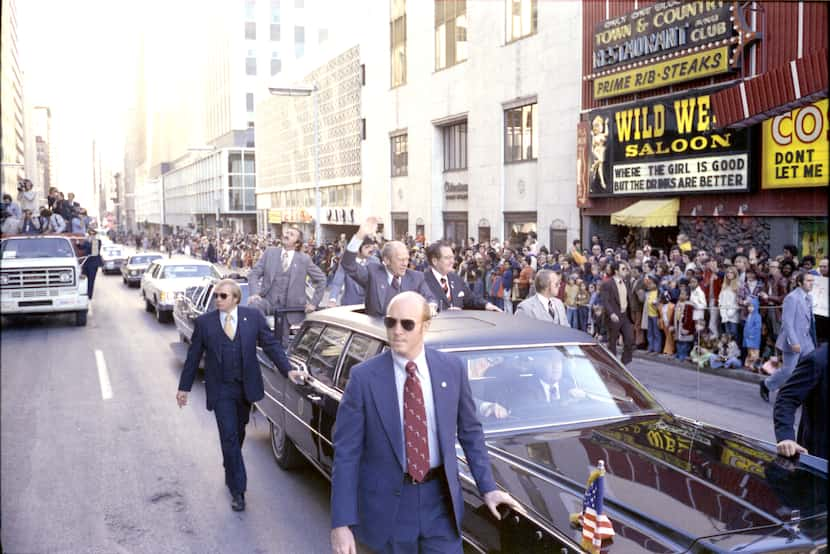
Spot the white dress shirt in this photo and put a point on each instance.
(234, 322)
(429, 403)
(290, 254)
(551, 391)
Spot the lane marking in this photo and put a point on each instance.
(103, 376)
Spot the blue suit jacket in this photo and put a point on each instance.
(806, 387)
(374, 280)
(462, 296)
(353, 292)
(796, 321)
(208, 336)
(368, 471)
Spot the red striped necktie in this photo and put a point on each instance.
(415, 425)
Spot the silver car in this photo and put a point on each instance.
(135, 266)
(112, 258)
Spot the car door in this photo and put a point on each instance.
(359, 349)
(300, 423)
(147, 280)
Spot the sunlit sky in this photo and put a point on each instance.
(78, 59)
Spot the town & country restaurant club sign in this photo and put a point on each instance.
(662, 44)
(666, 146)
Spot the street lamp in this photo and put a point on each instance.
(218, 191)
(309, 90)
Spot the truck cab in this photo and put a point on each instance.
(41, 274)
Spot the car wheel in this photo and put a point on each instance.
(80, 318)
(161, 315)
(148, 307)
(286, 454)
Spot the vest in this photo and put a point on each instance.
(231, 358)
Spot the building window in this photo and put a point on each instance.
(250, 10)
(299, 4)
(249, 101)
(250, 30)
(322, 36)
(275, 20)
(455, 146)
(450, 32)
(276, 63)
(400, 155)
(275, 32)
(521, 133)
(299, 41)
(250, 63)
(397, 30)
(520, 18)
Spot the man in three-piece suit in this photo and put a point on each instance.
(91, 247)
(544, 305)
(807, 388)
(450, 291)
(395, 478)
(278, 280)
(613, 293)
(383, 282)
(233, 380)
(353, 293)
(798, 332)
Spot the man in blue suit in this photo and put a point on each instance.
(91, 248)
(233, 380)
(806, 388)
(451, 292)
(798, 332)
(395, 476)
(383, 282)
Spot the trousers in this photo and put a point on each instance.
(232, 413)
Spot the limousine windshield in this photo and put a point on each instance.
(550, 385)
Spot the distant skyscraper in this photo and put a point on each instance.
(12, 134)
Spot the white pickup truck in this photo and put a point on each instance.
(41, 274)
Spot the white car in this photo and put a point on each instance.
(168, 277)
(135, 266)
(112, 258)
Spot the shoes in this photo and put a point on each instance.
(764, 392)
(238, 502)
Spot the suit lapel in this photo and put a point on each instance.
(213, 334)
(385, 394)
(445, 424)
(436, 288)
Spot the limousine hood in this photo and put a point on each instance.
(670, 485)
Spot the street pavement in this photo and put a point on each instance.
(134, 473)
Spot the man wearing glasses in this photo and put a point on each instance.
(394, 445)
(233, 380)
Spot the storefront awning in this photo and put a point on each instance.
(648, 213)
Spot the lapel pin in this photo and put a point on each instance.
(443, 384)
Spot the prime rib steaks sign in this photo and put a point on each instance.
(666, 146)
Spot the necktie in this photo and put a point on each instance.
(446, 289)
(552, 311)
(415, 425)
(396, 283)
(229, 326)
(812, 318)
(285, 260)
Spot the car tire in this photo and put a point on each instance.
(161, 315)
(80, 318)
(148, 307)
(286, 454)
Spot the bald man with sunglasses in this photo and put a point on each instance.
(233, 380)
(395, 482)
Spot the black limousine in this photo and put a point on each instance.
(671, 484)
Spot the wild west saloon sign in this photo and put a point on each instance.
(667, 146)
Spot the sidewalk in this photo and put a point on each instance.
(737, 374)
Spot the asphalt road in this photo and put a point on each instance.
(134, 473)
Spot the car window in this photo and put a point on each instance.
(326, 352)
(112, 251)
(305, 342)
(187, 271)
(526, 387)
(153, 270)
(36, 248)
(211, 301)
(143, 259)
(360, 349)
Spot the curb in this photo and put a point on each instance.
(737, 374)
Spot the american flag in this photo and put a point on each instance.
(596, 526)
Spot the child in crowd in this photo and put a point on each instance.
(571, 290)
(667, 322)
(728, 354)
(583, 298)
(684, 326)
(752, 334)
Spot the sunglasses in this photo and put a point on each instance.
(407, 324)
(222, 295)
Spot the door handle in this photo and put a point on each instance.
(314, 397)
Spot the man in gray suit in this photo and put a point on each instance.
(544, 306)
(278, 280)
(382, 282)
(798, 332)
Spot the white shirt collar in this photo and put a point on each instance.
(438, 275)
(545, 301)
(233, 313)
(420, 360)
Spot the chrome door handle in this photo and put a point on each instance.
(314, 397)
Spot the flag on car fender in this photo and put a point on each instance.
(596, 527)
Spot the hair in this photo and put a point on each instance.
(791, 248)
(233, 285)
(426, 312)
(731, 283)
(389, 249)
(434, 250)
(799, 277)
(299, 244)
(542, 279)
